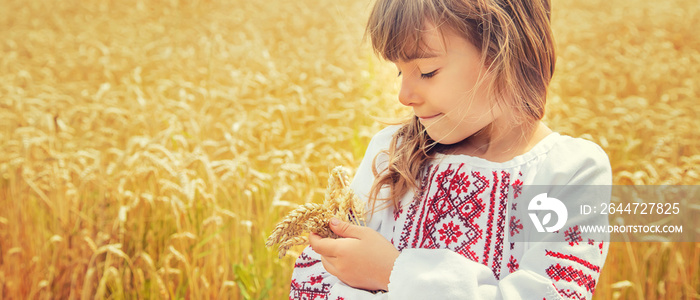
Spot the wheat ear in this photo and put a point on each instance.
(340, 202)
(292, 224)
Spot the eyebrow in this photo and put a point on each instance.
(424, 55)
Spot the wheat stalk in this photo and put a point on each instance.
(340, 202)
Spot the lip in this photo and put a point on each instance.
(429, 117)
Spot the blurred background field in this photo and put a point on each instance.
(147, 148)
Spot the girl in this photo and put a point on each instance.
(446, 188)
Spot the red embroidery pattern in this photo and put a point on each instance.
(489, 233)
(573, 258)
(304, 261)
(460, 183)
(573, 235)
(501, 223)
(449, 233)
(447, 202)
(450, 212)
(309, 290)
(517, 187)
(308, 287)
(397, 213)
(513, 264)
(571, 294)
(408, 226)
(316, 279)
(515, 226)
(600, 246)
(569, 274)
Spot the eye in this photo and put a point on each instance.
(399, 74)
(428, 75)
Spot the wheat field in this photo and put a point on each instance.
(148, 147)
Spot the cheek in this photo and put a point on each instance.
(478, 101)
(453, 95)
(470, 108)
(462, 88)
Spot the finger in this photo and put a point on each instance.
(313, 238)
(322, 246)
(345, 229)
(330, 268)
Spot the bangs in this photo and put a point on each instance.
(395, 28)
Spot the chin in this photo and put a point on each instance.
(445, 140)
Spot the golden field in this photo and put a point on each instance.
(147, 148)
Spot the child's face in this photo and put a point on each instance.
(442, 86)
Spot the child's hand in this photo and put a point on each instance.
(362, 258)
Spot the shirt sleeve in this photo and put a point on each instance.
(310, 280)
(560, 265)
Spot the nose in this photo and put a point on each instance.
(407, 93)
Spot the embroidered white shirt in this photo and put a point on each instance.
(461, 236)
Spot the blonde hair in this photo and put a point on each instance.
(516, 45)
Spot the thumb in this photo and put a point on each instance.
(345, 229)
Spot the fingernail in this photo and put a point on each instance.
(335, 221)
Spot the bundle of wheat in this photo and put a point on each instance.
(340, 202)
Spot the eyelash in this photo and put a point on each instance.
(423, 75)
(428, 75)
